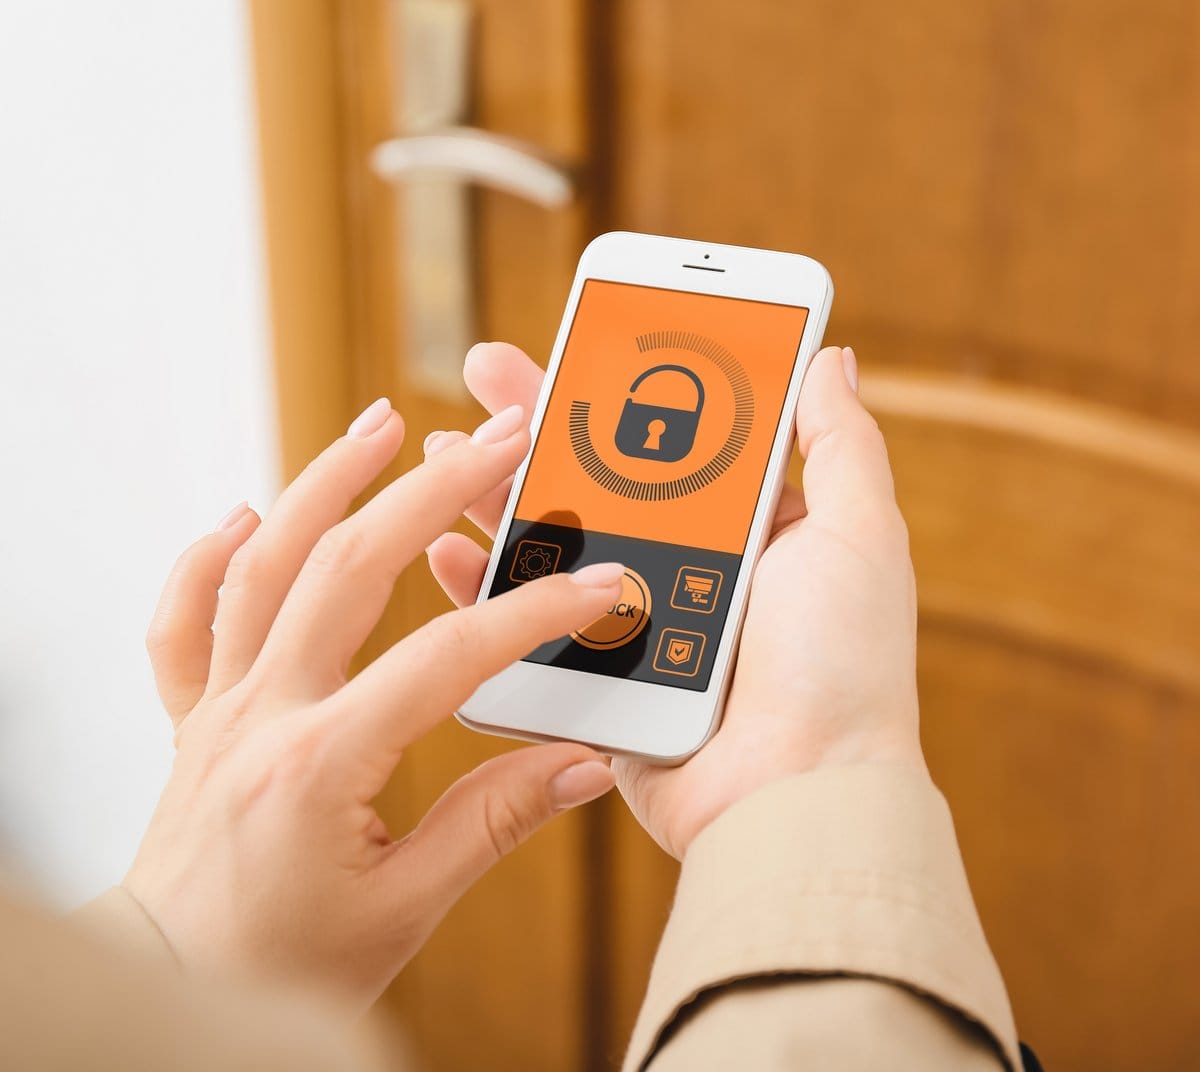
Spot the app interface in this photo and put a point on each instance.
(652, 452)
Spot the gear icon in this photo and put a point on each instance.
(534, 559)
(535, 562)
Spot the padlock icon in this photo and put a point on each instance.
(660, 433)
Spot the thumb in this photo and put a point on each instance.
(489, 812)
(846, 469)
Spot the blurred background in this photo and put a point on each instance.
(136, 398)
(228, 227)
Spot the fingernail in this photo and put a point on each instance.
(599, 575)
(233, 517)
(578, 784)
(370, 420)
(850, 364)
(430, 438)
(500, 427)
(444, 441)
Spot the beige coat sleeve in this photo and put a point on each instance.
(102, 991)
(826, 922)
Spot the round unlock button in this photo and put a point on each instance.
(623, 621)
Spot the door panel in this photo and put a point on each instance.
(1005, 188)
(1058, 580)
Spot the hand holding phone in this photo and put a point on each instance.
(826, 670)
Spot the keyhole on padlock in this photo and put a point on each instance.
(654, 431)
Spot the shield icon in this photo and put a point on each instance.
(679, 651)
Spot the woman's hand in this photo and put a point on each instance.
(826, 668)
(265, 856)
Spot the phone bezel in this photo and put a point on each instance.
(617, 716)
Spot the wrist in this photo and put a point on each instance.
(118, 915)
(887, 754)
(889, 747)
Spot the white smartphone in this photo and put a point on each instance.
(661, 440)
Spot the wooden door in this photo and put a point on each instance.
(513, 979)
(1008, 197)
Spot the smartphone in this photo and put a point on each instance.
(660, 440)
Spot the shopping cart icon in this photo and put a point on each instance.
(696, 589)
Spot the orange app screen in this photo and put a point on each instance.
(652, 452)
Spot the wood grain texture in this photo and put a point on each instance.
(1069, 525)
(1058, 582)
(505, 980)
(1003, 188)
(1073, 789)
(305, 213)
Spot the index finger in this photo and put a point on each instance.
(348, 579)
(431, 673)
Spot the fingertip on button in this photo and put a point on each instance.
(624, 620)
(599, 575)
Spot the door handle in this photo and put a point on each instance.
(464, 154)
(435, 159)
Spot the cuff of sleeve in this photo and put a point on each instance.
(849, 871)
(117, 917)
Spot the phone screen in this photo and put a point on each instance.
(652, 452)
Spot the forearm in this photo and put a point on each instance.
(825, 915)
(102, 991)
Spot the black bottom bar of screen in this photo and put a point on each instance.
(690, 589)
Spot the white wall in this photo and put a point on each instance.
(135, 404)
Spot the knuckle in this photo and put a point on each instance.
(326, 465)
(300, 759)
(248, 563)
(462, 469)
(340, 550)
(290, 764)
(896, 529)
(880, 517)
(867, 432)
(189, 561)
(161, 637)
(458, 631)
(504, 823)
